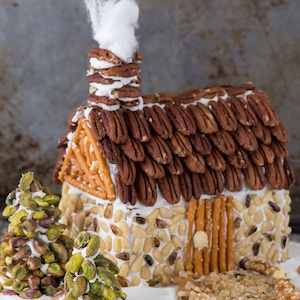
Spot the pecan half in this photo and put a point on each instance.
(275, 174)
(245, 138)
(164, 97)
(239, 159)
(239, 89)
(263, 109)
(110, 150)
(104, 54)
(133, 149)
(254, 176)
(187, 96)
(224, 141)
(137, 125)
(219, 180)
(96, 125)
(127, 92)
(57, 168)
(175, 166)
(146, 188)
(233, 178)
(290, 177)
(180, 144)
(158, 149)
(204, 119)
(215, 160)
(158, 121)
(73, 119)
(264, 154)
(152, 168)
(243, 112)
(194, 162)
(115, 125)
(223, 114)
(280, 149)
(208, 181)
(93, 99)
(196, 183)
(170, 188)
(126, 169)
(186, 186)
(262, 133)
(99, 79)
(200, 143)
(127, 193)
(123, 70)
(280, 133)
(63, 140)
(181, 119)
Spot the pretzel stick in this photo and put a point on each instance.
(84, 166)
(103, 168)
(86, 151)
(230, 233)
(207, 228)
(222, 233)
(198, 253)
(99, 181)
(94, 170)
(215, 234)
(190, 218)
(80, 185)
(69, 152)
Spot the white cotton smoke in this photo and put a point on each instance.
(113, 24)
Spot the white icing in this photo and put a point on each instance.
(101, 64)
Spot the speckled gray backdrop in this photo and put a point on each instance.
(185, 44)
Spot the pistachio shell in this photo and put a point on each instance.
(93, 246)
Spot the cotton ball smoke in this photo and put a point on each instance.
(113, 24)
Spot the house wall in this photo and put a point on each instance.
(185, 44)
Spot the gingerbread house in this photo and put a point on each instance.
(195, 181)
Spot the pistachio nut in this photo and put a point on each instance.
(19, 271)
(53, 212)
(26, 180)
(23, 252)
(30, 294)
(59, 251)
(26, 200)
(66, 241)
(39, 214)
(45, 223)
(70, 296)
(55, 231)
(49, 281)
(17, 241)
(17, 217)
(74, 263)
(48, 257)
(39, 246)
(11, 198)
(9, 211)
(82, 239)
(35, 186)
(38, 273)
(34, 281)
(108, 293)
(93, 246)
(40, 202)
(96, 287)
(68, 280)
(50, 291)
(79, 286)
(32, 234)
(107, 277)
(55, 270)
(29, 225)
(102, 261)
(52, 199)
(17, 230)
(8, 282)
(88, 269)
(33, 263)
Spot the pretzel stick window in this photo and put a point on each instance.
(103, 168)
(207, 228)
(198, 253)
(215, 234)
(190, 218)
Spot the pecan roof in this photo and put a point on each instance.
(184, 147)
(197, 142)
